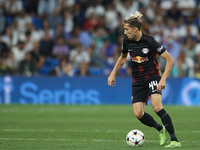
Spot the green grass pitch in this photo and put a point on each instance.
(104, 127)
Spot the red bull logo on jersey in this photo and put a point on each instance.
(139, 59)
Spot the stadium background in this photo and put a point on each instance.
(61, 51)
(56, 55)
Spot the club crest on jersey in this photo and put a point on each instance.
(145, 50)
(139, 59)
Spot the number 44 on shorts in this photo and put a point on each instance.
(153, 85)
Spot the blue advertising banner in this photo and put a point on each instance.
(89, 90)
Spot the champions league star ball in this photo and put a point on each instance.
(135, 138)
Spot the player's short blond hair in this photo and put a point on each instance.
(134, 20)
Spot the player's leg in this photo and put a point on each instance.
(139, 99)
(145, 118)
(139, 109)
(156, 101)
(157, 106)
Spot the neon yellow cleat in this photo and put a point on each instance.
(174, 144)
(162, 136)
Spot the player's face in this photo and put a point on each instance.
(129, 31)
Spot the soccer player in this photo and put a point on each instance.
(146, 79)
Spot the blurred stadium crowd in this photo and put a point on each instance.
(84, 37)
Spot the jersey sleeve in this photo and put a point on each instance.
(124, 46)
(157, 47)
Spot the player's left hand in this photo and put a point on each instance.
(111, 80)
(161, 85)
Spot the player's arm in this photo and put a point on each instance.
(168, 67)
(120, 62)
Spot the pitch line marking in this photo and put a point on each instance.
(83, 140)
(22, 130)
(196, 131)
(45, 130)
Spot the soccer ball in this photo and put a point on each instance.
(135, 138)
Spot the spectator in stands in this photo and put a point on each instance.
(107, 51)
(166, 4)
(197, 49)
(98, 37)
(146, 22)
(171, 31)
(95, 8)
(27, 67)
(4, 68)
(127, 7)
(66, 4)
(29, 42)
(60, 32)
(73, 42)
(91, 23)
(111, 18)
(46, 28)
(10, 38)
(15, 29)
(96, 60)
(60, 49)
(173, 48)
(152, 9)
(85, 3)
(46, 45)
(19, 53)
(10, 61)
(173, 13)
(35, 52)
(79, 55)
(197, 70)
(46, 7)
(40, 63)
(31, 6)
(156, 30)
(113, 36)
(36, 21)
(189, 49)
(180, 68)
(35, 36)
(2, 17)
(78, 15)
(66, 68)
(13, 8)
(83, 70)
(55, 18)
(83, 36)
(197, 62)
(187, 7)
(3, 48)
(118, 46)
(188, 35)
(68, 22)
(22, 19)
(189, 28)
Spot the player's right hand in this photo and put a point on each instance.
(111, 80)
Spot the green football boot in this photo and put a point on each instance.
(174, 144)
(162, 136)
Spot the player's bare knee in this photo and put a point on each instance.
(139, 114)
(157, 109)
